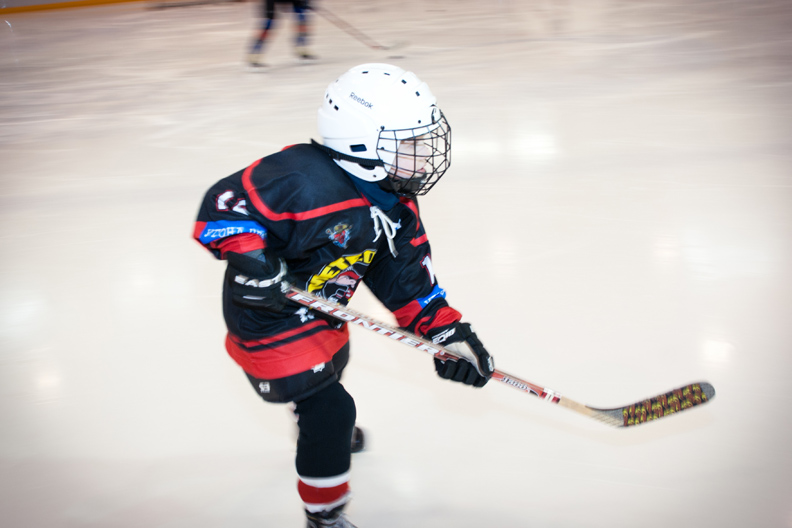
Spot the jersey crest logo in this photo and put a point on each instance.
(340, 234)
(342, 286)
(338, 280)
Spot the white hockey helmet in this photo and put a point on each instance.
(381, 124)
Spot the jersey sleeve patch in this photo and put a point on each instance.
(406, 315)
(436, 292)
(226, 228)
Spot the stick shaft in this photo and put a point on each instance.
(348, 28)
(342, 313)
(645, 410)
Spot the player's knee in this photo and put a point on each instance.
(331, 406)
(339, 406)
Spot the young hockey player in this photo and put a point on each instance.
(269, 14)
(324, 217)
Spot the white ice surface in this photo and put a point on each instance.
(617, 221)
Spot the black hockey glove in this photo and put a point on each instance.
(260, 282)
(459, 338)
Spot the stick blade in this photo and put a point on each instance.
(660, 406)
(393, 47)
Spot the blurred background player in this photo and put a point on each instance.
(325, 217)
(269, 14)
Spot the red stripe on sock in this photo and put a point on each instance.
(317, 496)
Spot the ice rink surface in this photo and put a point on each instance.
(617, 222)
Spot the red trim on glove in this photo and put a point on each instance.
(444, 316)
(406, 315)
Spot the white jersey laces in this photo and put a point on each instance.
(383, 223)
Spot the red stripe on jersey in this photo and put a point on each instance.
(322, 496)
(407, 314)
(278, 337)
(199, 227)
(290, 358)
(420, 240)
(238, 243)
(412, 206)
(305, 215)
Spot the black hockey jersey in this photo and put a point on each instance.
(303, 208)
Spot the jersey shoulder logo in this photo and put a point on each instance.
(340, 234)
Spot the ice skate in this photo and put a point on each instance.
(304, 53)
(358, 440)
(255, 62)
(335, 518)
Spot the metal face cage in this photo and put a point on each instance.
(416, 158)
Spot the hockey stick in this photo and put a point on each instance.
(649, 409)
(353, 31)
(192, 3)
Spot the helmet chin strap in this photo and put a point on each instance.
(402, 186)
(392, 184)
(363, 162)
(388, 185)
(409, 186)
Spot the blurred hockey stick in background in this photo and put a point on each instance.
(353, 31)
(188, 3)
(649, 409)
